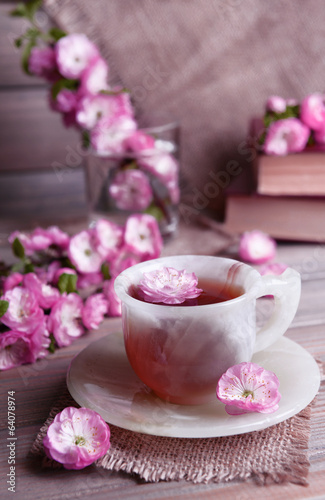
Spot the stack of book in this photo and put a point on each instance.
(289, 198)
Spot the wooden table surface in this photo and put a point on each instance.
(38, 386)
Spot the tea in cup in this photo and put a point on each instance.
(180, 351)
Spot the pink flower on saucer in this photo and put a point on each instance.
(169, 286)
(77, 437)
(286, 136)
(256, 247)
(247, 388)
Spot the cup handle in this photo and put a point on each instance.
(286, 290)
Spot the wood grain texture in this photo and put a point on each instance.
(38, 386)
(32, 136)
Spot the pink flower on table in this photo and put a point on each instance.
(94, 77)
(312, 112)
(64, 320)
(139, 141)
(13, 280)
(256, 247)
(24, 313)
(286, 136)
(17, 348)
(109, 238)
(92, 108)
(169, 286)
(114, 303)
(73, 54)
(65, 102)
(95, 308)
(46, 295)
(89, 279)
(247, 388)
(142, 236)
(14, 350)
(276, 104)
(319, 135)
(109, 134)
(83, 252)
(57, 236)
(131, 190)
(42, 62)
(77, 437)
(275, 268)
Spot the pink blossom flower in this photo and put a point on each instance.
(95, 308)
(123, 261)
(93, 108)
(276, 104)
(131, 190)
(89, 279)
(17, 348)
(94, 77)
(247, 387)
(46, 295)
(73, 54)
(42, 63)
(83, 252)
(14, 350)
(169, 286)
(274, 268)
(108, 237)
(23, 313)
(142, 236)
(114, 303)
(13, 280)
(139, 141)
(161, 165)
(109, 134)
(64, 320)
(256, 247)
(312, 111)
(55, 235)
(52, 269)
(77, 437)
(65, 101)
(286, 136)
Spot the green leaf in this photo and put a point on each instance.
(18, 42)
(18, 249)
(56, 33)
(155, 212)
(19, 11)
(29, 268)
(67, 283)
(85, 139)
(51, 347)
(4, 304)
(32, 7)
(115, 92)
(25, 55)
(105, 271)
(63, 84)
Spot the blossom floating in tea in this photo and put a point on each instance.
(77, 437)
(169, 286)
(247, 388)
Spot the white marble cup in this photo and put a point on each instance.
(180, 352)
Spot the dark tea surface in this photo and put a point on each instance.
(213, 293)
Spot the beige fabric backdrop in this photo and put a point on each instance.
(210, 63)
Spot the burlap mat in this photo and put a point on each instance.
(275, 455)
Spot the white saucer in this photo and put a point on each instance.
(101, 378)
